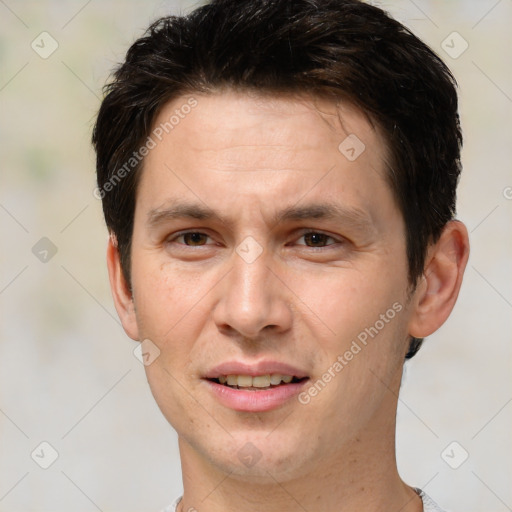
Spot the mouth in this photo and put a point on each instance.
(257, 382)
(255, 386)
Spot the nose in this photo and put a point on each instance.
(253, 297)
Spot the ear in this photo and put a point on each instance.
(438, 290)
(121, 293)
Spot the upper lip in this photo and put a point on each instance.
(254, 369)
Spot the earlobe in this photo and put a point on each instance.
(439, 288)
(121, 292)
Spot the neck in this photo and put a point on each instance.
(364, 477)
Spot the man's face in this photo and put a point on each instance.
(250, 289)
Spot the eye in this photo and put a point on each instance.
(196, 238)
(316, 239)
(313, 239)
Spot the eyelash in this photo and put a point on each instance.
(309, 232)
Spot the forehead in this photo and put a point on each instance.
(233, 146)
(235, 124)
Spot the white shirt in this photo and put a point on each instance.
(428, 503)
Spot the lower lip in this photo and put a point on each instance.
(255, 401)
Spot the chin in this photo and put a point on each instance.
(257, 458)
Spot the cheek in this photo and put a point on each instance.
(345, 302)
(164, 297)
(173, 309)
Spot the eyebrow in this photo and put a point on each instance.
(329, 211)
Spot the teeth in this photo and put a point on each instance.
(275, 379)
(245, 381)
(232, 380)
(260, 381)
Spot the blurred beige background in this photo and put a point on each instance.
(68, 376)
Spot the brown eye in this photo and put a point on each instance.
(193, 238)
(316, 239)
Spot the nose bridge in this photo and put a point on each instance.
(251, 297)
(250, 278)
(250, 292)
